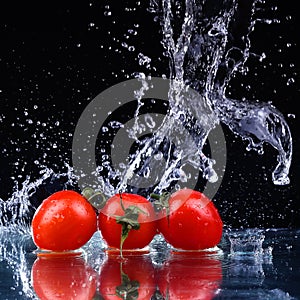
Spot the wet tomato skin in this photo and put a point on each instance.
(64, 221)
(111, 230)
(192, 221)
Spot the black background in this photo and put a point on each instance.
(55, 57)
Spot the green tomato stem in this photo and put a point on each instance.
(162, 203)
(128, 221)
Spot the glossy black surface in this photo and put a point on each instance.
(249, 271)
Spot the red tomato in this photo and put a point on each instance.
(129, 219)
(189, 277)
(64, 221)
(131, 278)
(191, 222)
(63, 278)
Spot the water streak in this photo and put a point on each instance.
(203, 58)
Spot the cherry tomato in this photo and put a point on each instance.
(189, 276)
(127, 221)
(191, 221)
(63, 278)
(130, 278)
(64, 221)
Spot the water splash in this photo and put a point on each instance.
(260, 123)
(202, 57)
(17, 211)
(248, 242)
(14, 249)
(196, 39)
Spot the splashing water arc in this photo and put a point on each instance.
(202, 62)
(196, 38)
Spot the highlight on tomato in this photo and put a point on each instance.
(67, 277)
(190, 221)
(64, 221)
(130, 278)
(190, 276)
(127, 221)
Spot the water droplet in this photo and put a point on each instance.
(131, 48)
(107, 13)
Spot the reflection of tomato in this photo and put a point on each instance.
(189, 277)
(191, 221)
(63, 278)
(132, 276)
